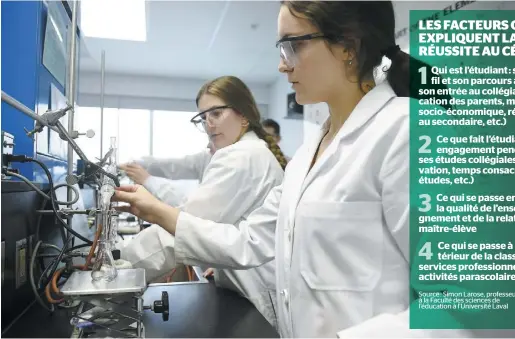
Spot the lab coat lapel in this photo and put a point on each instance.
(371, 103)
(299, 176)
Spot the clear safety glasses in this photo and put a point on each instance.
(290, 45)
(211, 117)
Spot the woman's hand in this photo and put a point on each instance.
(141, 203)
(136, 172)
(147, 207)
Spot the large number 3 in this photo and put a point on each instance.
(426, 203)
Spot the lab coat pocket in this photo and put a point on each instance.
(341, 244)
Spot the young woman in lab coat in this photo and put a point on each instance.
(246, 166)
(340, 218)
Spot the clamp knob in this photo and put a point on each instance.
(162, 306)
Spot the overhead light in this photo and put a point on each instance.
(114, 19)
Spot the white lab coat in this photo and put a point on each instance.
(342, 239)
(189, 167)
(236, 181)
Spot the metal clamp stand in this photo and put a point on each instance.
(51, 118)
(111, 309)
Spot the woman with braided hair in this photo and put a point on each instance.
(246, 165)
(222, 97)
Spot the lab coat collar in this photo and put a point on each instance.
(367, 108)
(250, 135)
(369, 105)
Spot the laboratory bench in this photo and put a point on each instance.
(197, 310)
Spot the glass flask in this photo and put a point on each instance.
(104, 267)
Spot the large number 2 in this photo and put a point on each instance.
(423, 148)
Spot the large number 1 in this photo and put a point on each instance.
(423, 72)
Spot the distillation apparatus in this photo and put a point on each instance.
(104, 267)
(110, 300)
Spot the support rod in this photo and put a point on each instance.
(71, 96)
(102, 91)
(25, 110)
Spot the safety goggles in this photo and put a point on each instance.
(212, 117)
(289, 46)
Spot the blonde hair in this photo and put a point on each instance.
(234, 93)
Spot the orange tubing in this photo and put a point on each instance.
(93, 247)
(49, 296)
(52, 285)
(189, 270)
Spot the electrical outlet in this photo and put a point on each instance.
(7, 147)
(21, 262)
(3, 261)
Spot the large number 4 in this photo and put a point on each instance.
(425, 251)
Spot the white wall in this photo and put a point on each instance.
(292, 131)
(145, 92)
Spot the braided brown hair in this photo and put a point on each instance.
(234, 93)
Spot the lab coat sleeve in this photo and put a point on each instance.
(151, 249)
(229, 188)
(249, 244)
(189, 167)
(164, 190)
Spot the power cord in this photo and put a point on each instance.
(41, 245)
(34, 187)
(50, 270)
(23, 159)
(32, 280)
(51, 274)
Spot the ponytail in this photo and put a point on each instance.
(272, 145)
(405, 80)
(399, 73)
